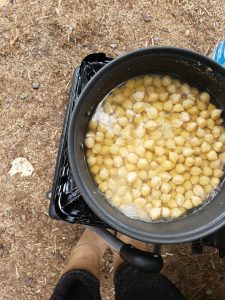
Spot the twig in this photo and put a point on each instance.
(192, 297)
(145, 37)
(70, 31)
(55, 248)
(17, 273)
(28, 75)
(153, 42)
(41, 18)
(59, 7)
(219, 39)
(12, 42)
(59, 4)
(190, 7)
(207, 50)
(212, 263)
(168, 254)
(206, 10)
(68, 83)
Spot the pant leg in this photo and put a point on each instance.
(132, 284)
(77, 285)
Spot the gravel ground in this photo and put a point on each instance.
(41, 42)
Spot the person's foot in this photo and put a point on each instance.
(87, 254)
(117, 260)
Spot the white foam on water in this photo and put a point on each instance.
(105, 118)
(133, 212)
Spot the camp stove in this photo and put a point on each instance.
(66, 203)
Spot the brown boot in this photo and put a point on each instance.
(87, 254)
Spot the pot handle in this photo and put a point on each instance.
(139, 259)
(142, 260)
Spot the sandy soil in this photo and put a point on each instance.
(43, 41)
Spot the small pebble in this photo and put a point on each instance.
(59, 118)
(187, 32)
(23, 96)
(208, 292)
(72, 40)
(156, 38)
(35, 85)
(113, 46)
(119, 52)
(146, 17)
(29, 281)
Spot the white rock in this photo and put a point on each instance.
(21, 165)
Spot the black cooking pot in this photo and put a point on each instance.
(189, 66)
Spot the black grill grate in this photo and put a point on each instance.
(66, 201)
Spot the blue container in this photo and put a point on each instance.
(219, 53)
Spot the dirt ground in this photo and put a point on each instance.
(43, 41)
